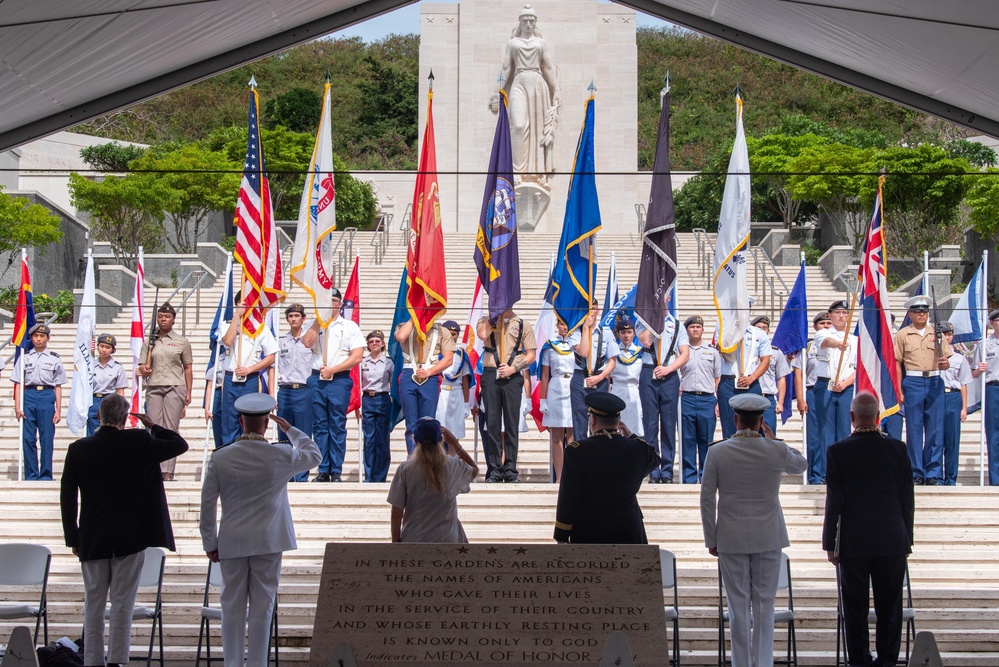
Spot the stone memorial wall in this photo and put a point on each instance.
(482, 604)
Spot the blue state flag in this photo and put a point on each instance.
(497, 256)
(970, 310)
(575, 267)
(395, 350)
(791, 335)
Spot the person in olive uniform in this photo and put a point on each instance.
(109, 378)
(40, 404)
(601, 476)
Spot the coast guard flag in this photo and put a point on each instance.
(791, 334)
(575, 269)
(876, 370)
(312, 258)
(137, 336)
(970, 311)
(497, 256)
(426, 296)
(731, 294)
(81, 394)
(657, 272)
(256, 235)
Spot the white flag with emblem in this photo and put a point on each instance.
(81, 395)
(312, 261)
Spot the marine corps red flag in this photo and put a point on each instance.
(426, 294)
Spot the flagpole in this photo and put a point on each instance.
(358, 413)
(984, 306)
(804, 396)
(926, 272)
(19, 404)
(846, 332)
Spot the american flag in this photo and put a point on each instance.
(257, 249)
(877, 372)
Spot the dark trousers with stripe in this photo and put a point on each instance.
(924, 419)
(577, 400)
(660, 399)
(295, 406)
(230, 392)
(697, 419)
(418, 401)
(38, 406)
(375, 426)
(330, 399)
(952, 435)
(726, 390)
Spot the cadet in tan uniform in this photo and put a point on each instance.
(419, 381)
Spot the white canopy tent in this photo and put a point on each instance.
(64, 61)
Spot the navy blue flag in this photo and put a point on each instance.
(575, 269)
(791, 335)
(395, 350)
(496, 255)
(657, 272)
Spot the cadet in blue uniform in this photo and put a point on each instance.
(419, 381)
(245, 359)
(377, 370)
(919, 365)
(109, 378)
(810, 403)
(987, 362)
(741, 372)
(956, 380)
(660, 387)
(336, 348)
(699, 379)
(294, 368)
(601, 477)
(41, 408)
(595, 350)
(773, 382)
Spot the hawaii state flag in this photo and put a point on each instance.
(257, 248)
(312, 257)
(137, 336)
(497, 256)
(350, 309)
(575, 267)
(877, 372)
(426, 295)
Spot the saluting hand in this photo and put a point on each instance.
(282, 423)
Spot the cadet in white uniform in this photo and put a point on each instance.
(956, 380)
(987, 361)
(250, 477)
(741, 373)
(245, 360)
(557, 366)
(627, 375)
(836, 342)
(811, 399)
(452, 404)
(772, 382)
(699, 379)
(109, 378)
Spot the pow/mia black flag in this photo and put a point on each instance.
(657, 273)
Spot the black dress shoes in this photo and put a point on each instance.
(322, 477)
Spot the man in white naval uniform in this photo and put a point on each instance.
(744, 525)
(250, 476)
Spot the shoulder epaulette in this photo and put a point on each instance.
(53, 353)
(574, 443)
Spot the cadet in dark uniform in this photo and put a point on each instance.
(41, 408)
(956, 380)
(109, 378)
(601, 476)
(294, 368)
(987, 362)
(377, 370)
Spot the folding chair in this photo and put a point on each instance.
(209, 613)
(781, 615)
(667, 563)
(151, 576)
(908, 617)
(24, 564)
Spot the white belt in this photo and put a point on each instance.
(922, 374)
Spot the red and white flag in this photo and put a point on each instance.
(544, 329)
(257, 248)
(351, 310)
(469, 339)
(137, 337)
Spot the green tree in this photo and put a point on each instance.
(769, 155)
(198, 181)
(298, 110)
(983, 200)
(111, 157)
(22, 225)
(126, 212)
(976, 153)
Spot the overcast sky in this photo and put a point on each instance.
(407, 20)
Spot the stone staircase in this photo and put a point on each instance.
(954, 573)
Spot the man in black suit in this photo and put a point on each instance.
(601, 476)
(868, 530)
(122, 510)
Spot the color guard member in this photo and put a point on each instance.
(245, 360)
(741, 372)
(987, 362)
(456, 381)
(811, 407)
(419, 384)
(40, 404)
(919, 365)
(699, 380)
(557, 366)
(627, 376)
(836, 343)
(377, 371)
(596, 355)
(956, 380)
(109, 378)
(773, 383)
(294, 369)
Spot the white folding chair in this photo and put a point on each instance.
(667, 564)
(210, 613)
(781, 615)
(908, 618)
(151, 576)
(24, 564)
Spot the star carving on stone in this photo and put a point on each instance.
(491, 550)
(521, 550)
(463, 550)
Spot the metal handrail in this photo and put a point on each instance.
(640, 211)
(342, 252)
(200, 277)
(777, 296)
(406, 223)
(380, 239)
(705, 259)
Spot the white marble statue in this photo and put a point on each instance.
(530, 80)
